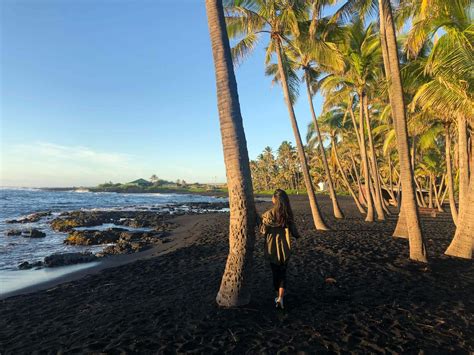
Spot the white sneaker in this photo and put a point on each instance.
(279, 302)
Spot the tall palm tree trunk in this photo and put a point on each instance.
(317, 218)
(419, 191)
(234, 289)
(392, 194)
(362, 193)
(463, 162)
(463, 242)
(365, 163)
(437, 193)
(344, 177)
(335, 205)
(443, 196)
(357, 178)
(430, 192)
(409, 209)
(373, 160)
(419, 194)
(449, 175)
(471, 151)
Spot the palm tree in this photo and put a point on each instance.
(362, 61)
(408, 219)
(288, 166)
(279, 19)
(304, 53)
(449, 173)
(234, 289)
(449, 71)
(449, 88)
(333, 122)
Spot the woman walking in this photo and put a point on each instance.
(278, 227)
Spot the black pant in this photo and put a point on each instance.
(279, 276)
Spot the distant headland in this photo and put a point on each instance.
(152, 185)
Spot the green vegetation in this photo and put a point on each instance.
(156, 185)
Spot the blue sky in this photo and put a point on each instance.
(99, 90)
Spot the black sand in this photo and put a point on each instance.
(379, 303)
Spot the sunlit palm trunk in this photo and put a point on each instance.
(443, 196)
(419, 191)
(357, 178)
(344, 177)
(437, 193)
(430, 192)
(365, 163)
(463, 242)
(392, 193)
(408, 219)
(317, 218)
(335, 205)
(463, 163)
(375, 171)
(362, 193)
(234, 289)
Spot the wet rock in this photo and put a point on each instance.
(130, 242)
(92, 237)
(124, 247)
(68, 259)
(33, 233)
(64, 225)
(26, 265)
(28, 233)
(34, 217)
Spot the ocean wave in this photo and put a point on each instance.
(20, 188)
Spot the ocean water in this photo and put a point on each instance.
(17, 203)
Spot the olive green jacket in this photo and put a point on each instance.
(277, 238)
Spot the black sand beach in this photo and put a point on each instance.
(379, 302)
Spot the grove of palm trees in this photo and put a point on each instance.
(397, 85)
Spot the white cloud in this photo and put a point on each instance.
(48, 164)
(76, 153)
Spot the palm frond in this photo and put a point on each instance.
(244, 48)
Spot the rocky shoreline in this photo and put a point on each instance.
(120, 231)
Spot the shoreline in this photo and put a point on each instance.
(177, 239)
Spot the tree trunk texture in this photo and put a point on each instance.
(335, 205)
(463, 162)
(430, 192)
(234, 289)
(409, 208)
(317, 218)
(463, 242)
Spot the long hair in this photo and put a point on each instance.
(282, 208)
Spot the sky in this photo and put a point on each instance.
(114, 90)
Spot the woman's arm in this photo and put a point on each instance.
(294, 232)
